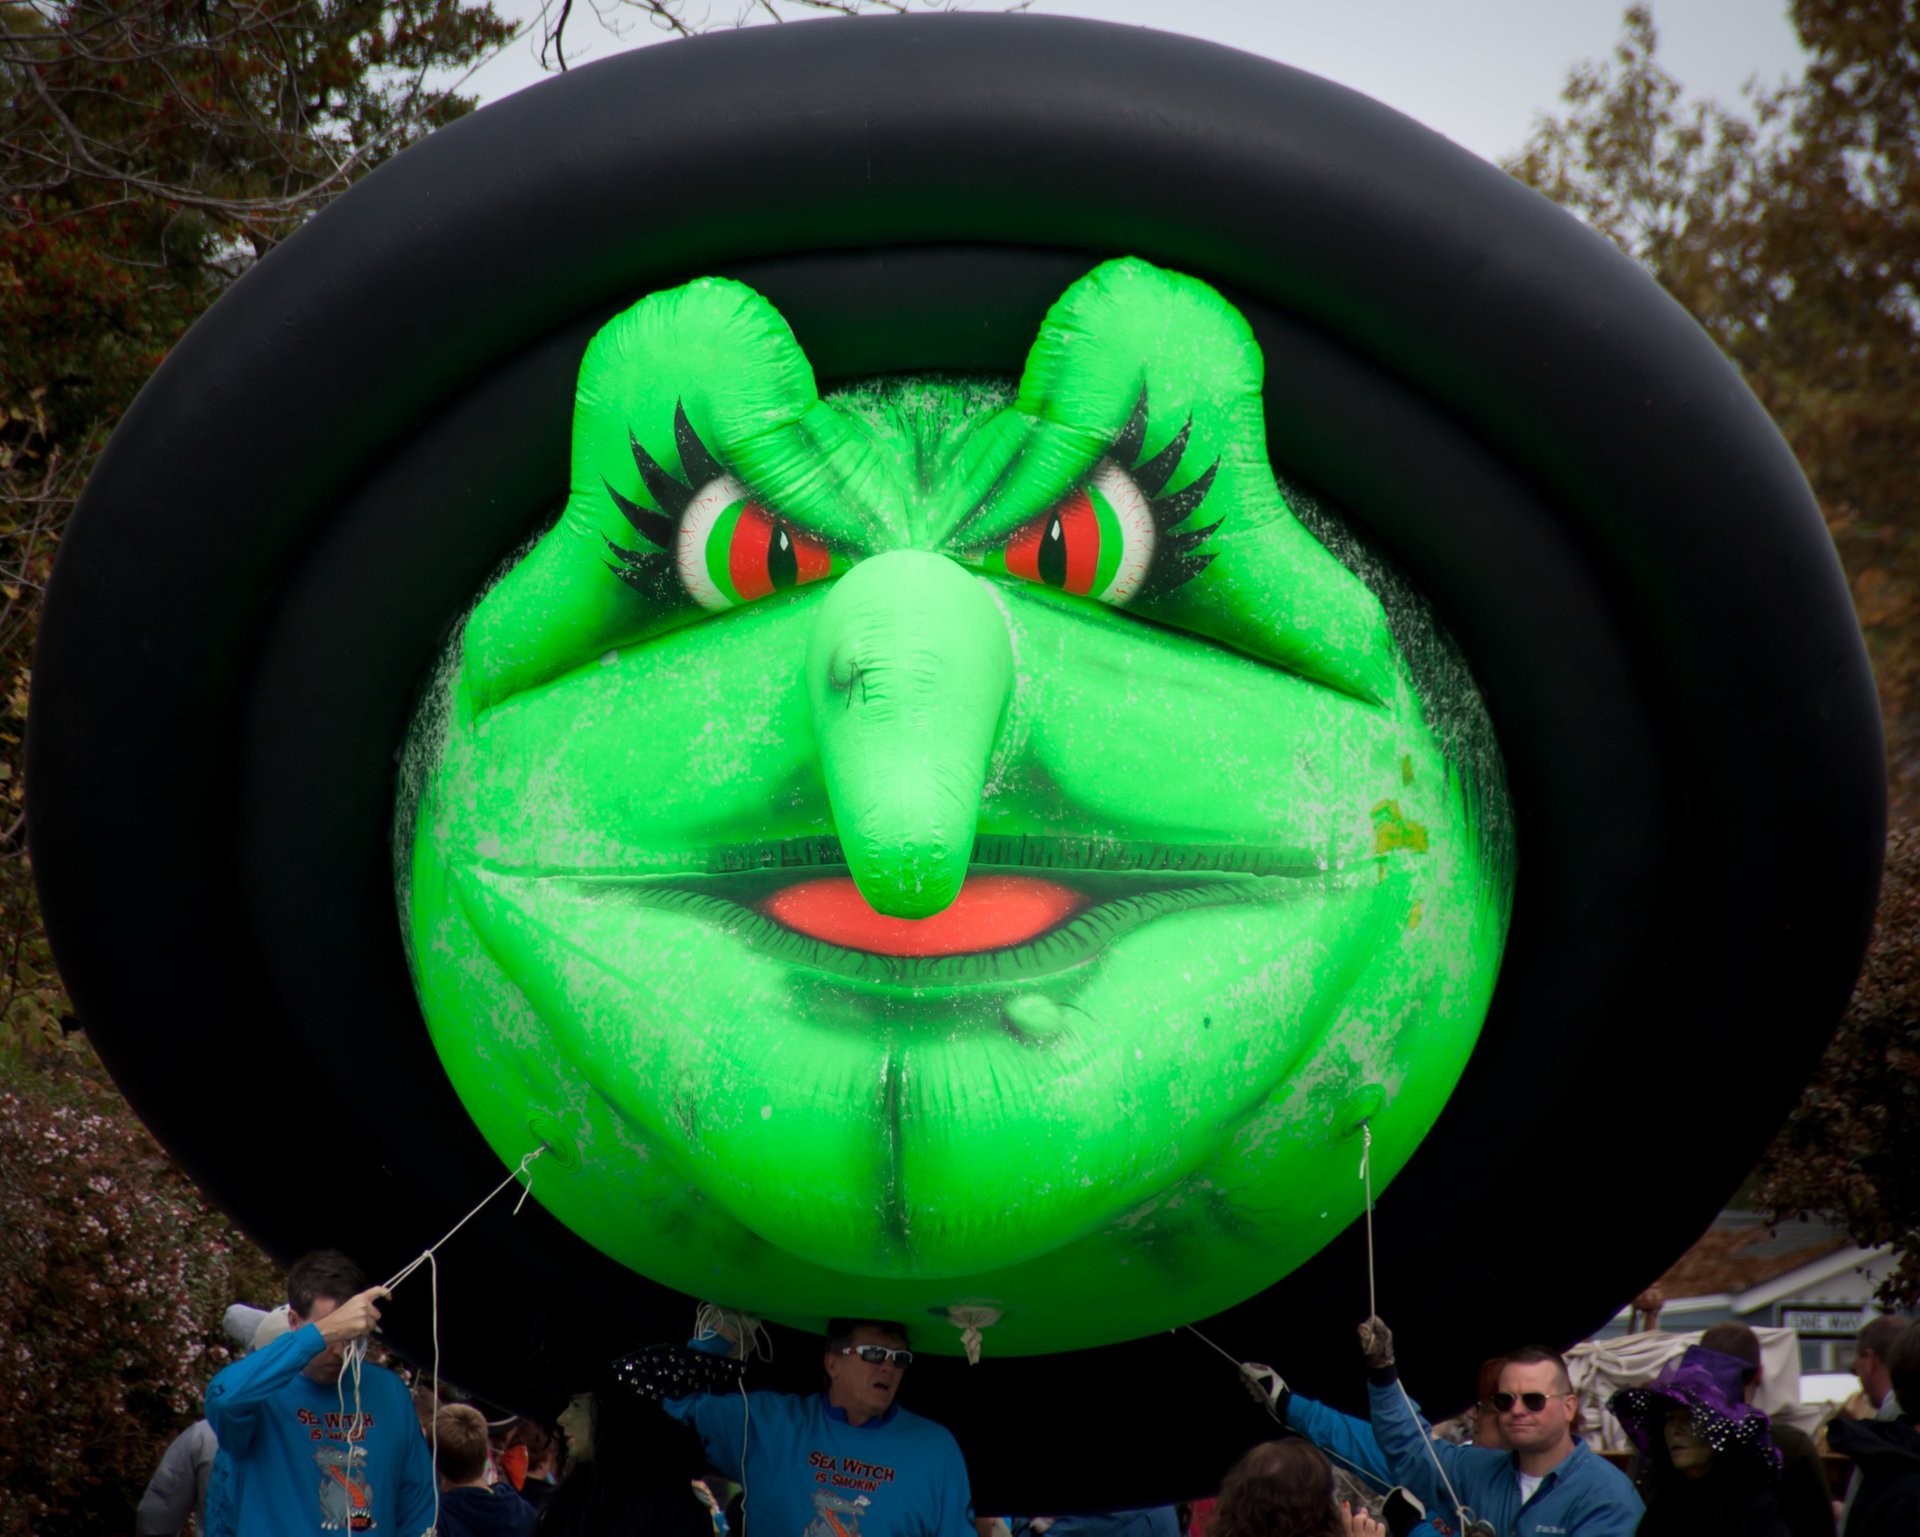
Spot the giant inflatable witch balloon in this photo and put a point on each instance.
(951, 843)
(957, 716)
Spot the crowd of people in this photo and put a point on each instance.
(303, 1434)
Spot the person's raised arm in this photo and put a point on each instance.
(1406, 1440)
(1349, 1441)
(237, 1394)
(700, 1384)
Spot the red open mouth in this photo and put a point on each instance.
(992, 912)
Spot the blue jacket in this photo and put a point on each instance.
(1585, 1496)
(1350, 1444)
(299, 1468)
(811, 1473)
(497, 1512)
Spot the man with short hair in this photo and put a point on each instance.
(1551, 1484)
(1870, 1350)
(469, 1506)
(848, 1462)
(308, 1450)
(1806, 1501)
(1885, 1499)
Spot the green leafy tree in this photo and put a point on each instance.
(1791, 230)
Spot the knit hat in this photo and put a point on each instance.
(1710, 1387)
(272, 1326)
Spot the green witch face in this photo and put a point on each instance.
(946, 845)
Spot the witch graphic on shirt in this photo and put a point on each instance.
(835, 1515)
(346, 1499)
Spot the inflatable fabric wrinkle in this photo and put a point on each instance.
(932, 915)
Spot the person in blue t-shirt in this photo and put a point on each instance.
(308, 1452)
(848, 1462)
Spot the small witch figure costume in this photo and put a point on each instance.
(1710, 1455)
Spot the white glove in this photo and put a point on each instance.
(738, 1329)
(1266, 1385)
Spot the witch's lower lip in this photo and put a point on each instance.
(992, 912)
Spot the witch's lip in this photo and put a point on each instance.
(1030, 852)
(1115, 901)
(992, 911)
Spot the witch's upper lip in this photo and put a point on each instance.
(1035, 851)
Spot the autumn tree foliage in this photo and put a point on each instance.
(1852, 1150)
(1790, 228)
(1791, 231)
(150, 150)
(114, 1273)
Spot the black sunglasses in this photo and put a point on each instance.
(873, 1355)
(1533, 1403)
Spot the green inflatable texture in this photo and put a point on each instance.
(955, 844)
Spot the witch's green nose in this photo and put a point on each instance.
(908, 673)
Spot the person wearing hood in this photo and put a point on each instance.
(1806, 1499)
(1712, 1467)
(1885, 1501)
(630, 1470)
(469, 1506)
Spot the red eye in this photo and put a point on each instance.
(732, 550)
(1061, 549)
(768, 555)
(1097, 541)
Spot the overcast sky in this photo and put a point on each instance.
(1476, 70)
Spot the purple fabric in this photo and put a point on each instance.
(1727, 1373)
(1700, 1380)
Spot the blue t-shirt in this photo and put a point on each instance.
(811, 1473)
(300, 1467)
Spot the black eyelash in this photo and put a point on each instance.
(1177, 556)
(650, 572)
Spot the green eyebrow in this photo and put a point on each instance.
(1020, 492)
(652, 573)
(798, 469)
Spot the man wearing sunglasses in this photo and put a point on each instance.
(1549, 1485)
(847, 1462)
